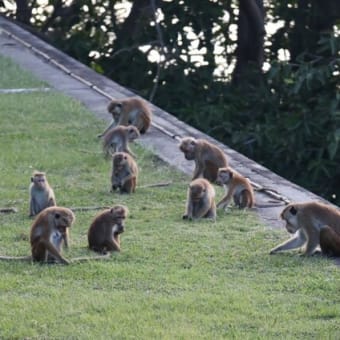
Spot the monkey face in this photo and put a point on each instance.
(119, 159)
(196, 192)
(119, 214)
(115, 107)
(133, 133)
(39, 181)
(188, 147)
(289, 214)
(118, 229)
(63, 218)
(224, 176)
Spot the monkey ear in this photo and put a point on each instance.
(293, 211)
(32, 179)
(57, 216)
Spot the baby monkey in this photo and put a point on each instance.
(130, 111)
(237, 188)
(118, 138)
(200, 200)
(124, 173)
(104, 232)
(41, 194)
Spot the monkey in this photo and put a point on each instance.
(200, 200)
(48, 233)
(238, 188)
(208, 157)
(41, 194)
(129, 111)
(117, 139)
(124, 173)
(314, 224)
(105, 229)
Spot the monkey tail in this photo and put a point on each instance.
(8, 210)
(15, 258)
(90, 258)
(147, 119)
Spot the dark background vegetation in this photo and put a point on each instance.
(216, 65)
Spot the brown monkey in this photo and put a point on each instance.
(48, 232)
(314, 224)
(103, 234)
(237, 187)
(41, 193)
(130, 111)
(200, 200)
(117, 139)
(208, 157)
(124, 173)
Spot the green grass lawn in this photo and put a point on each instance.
(173, 279)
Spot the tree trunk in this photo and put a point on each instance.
(24, 11)
(249, 51)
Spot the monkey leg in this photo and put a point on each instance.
(210, 173)
(329, 242)
(224, 202)
(211, 213)
(128, 186)
(43, 251)
(243, 199)
(112, 245)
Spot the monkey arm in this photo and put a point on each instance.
(32, 207)
(128, 150)
(189, 210)
(199, 169)
(112, 244)
(224, 202)
(52, 250)
(112, 124)
(298, 240)
(51, 202)
(129, 176)
(312, 243)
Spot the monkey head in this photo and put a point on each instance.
(290, 215)
(119, 160)
(39, 179)
(188, 147)
(115, 108)
(133, 133)
(118, 214)
(224, 176)
(60, 218)
(197, 191)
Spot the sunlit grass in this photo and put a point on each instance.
(173, 279)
